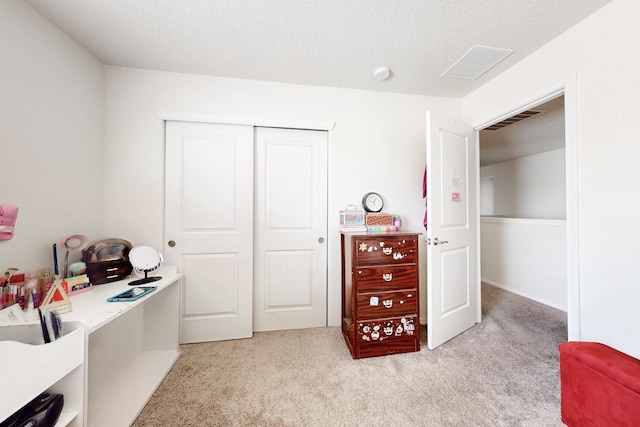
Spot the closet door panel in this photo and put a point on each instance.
(209, 227)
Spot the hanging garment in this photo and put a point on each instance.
(424, 196)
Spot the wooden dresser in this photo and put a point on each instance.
(380, 303)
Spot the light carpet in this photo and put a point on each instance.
(502, 372)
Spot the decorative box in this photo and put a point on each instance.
(107, 260)
(379, 219)
(351, 216)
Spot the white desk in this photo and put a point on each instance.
(129, 347)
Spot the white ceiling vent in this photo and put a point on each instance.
(476, 61)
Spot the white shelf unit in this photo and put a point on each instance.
(33, 367)
(131, 346)
(111, 365)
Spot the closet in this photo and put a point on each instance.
(246, 223)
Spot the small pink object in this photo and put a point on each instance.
(8, 215)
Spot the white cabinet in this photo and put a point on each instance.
(111, 360)
(32, 367)
(131, 346)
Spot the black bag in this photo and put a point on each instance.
(43, 411)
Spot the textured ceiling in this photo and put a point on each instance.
(335, 43)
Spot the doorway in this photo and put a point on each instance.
(552, 220)
(522, 167)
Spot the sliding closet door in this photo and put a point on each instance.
(290, 290)
(209, 227)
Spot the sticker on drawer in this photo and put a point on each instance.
(384, 329)
(373, 301)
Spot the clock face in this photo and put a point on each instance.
(372, 202)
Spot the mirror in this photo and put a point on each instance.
(73, 243)
(145, 259)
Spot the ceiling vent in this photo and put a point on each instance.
(476, 61)
(515, 119)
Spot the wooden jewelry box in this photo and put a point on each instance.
(107, 260)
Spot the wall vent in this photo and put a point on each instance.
(515, 119)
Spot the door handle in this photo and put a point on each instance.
(437, 242)
(171, 243)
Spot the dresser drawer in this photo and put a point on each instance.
(387, 304)
(100, 272)
(397, 345)
(390, 329)
(386, 278)
(376, 250)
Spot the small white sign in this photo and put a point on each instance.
(12, 315)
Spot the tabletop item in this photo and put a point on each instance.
(51, 324)
(372, 202)
(8, 215)
(72, 243)
(144, 260)
(132, 294)
(107, 260)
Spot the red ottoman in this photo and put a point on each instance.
(600, 386)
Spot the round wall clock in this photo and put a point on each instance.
(372, 202)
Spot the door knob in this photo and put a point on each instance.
(171, 243)
(320, 239)
(437, 242)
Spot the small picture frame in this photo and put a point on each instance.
(12, 315)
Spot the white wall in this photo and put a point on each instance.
(378, 144)
(529, 187)
(526, 257)
(525, 252)
(598, 52)
(51, 136)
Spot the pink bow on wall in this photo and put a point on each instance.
(8, 215)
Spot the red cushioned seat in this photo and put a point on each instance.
(600, 386)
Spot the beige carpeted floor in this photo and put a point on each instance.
(502, 372)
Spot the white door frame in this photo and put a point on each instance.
(567, 88)
(181, 116)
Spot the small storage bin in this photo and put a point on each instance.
(351, 216)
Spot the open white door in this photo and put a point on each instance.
(453, 276)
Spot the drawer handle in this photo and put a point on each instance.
(112, 277)
(387, 250)
(388, 303)
(112, 269)
(387, 277)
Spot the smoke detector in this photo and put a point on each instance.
(382, 73)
